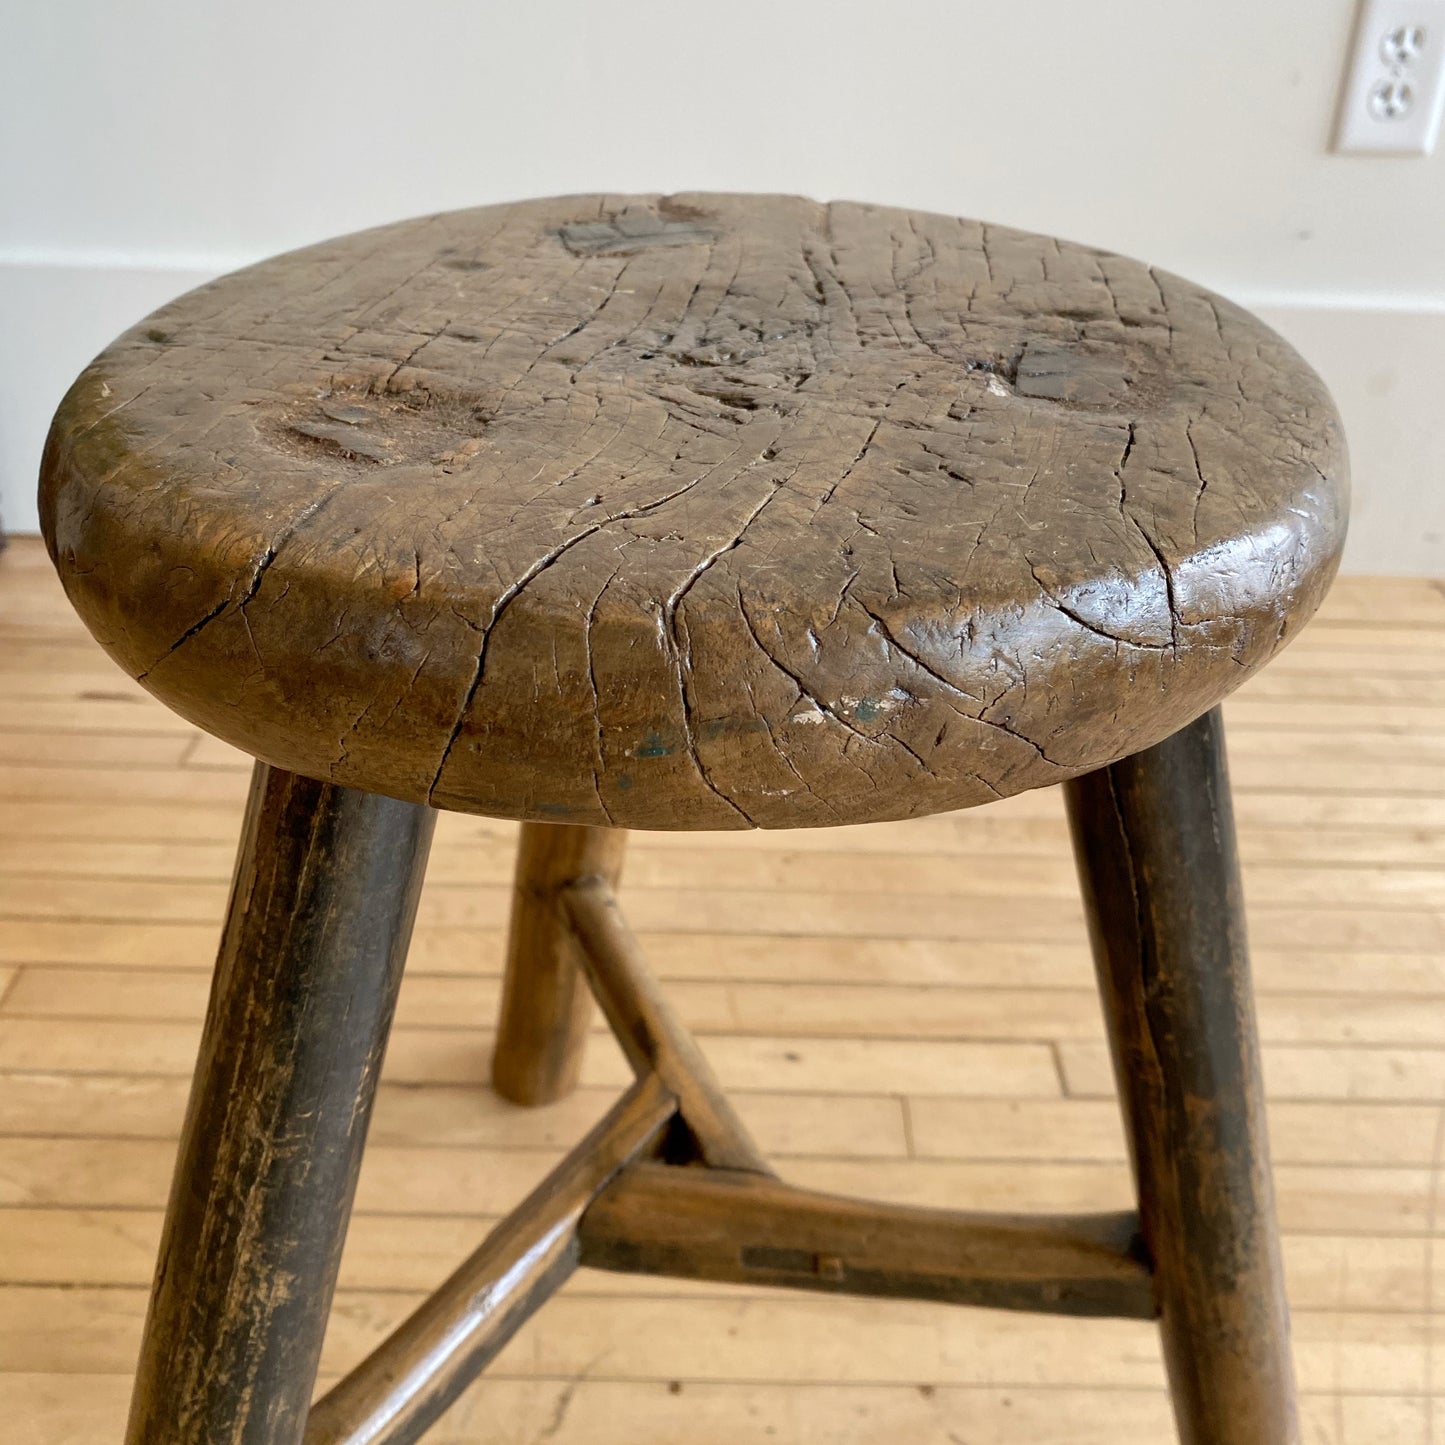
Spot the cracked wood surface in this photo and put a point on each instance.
(703, 511)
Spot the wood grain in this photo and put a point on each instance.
(324, 895)
(546, 1006)
(652, 1038)
(1155, 842)
(701, 511)
(414, 1375)
(740, 1227)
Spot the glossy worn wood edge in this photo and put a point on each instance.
(1171, 478)
(411, 1378)
(546, 1004)
(743, 1228)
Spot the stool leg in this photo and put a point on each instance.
(321, 911)
(546, 1004)
(1154, 839)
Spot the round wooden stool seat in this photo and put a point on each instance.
(704, 511)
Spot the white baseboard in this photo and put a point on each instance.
(1384, 366)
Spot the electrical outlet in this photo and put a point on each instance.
(1395, 90)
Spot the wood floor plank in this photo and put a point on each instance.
(1342, 1133)
(1303, 687)
(459, 1056)
(90, 679)
(32, 649)
(131, 712)
(31, 783)
(1359, 972)
(1296, 1072)
(1398, 717)
(792, 1124)
(1320, 657)
(56, 1106)
(92, 750)
(993, 874)
(749, 1339)
(804, 1009)
(59, 1178)
(901, 1010)
(98, 828)
(1397, 926)
(59, 1409)
(1388, 601)
(865, 1066)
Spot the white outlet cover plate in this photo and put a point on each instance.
(1376, 68)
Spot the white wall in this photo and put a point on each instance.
(144, 146)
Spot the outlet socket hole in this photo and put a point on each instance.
(1403, 45)
(1391, 100)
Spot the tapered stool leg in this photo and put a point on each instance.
(1154, 837)
(546, 1004)
(321, 911)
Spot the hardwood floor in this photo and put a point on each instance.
(904, 1010)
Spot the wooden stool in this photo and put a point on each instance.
(687, 513)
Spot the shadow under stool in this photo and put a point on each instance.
(695, 512)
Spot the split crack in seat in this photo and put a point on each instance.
(695, 512)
